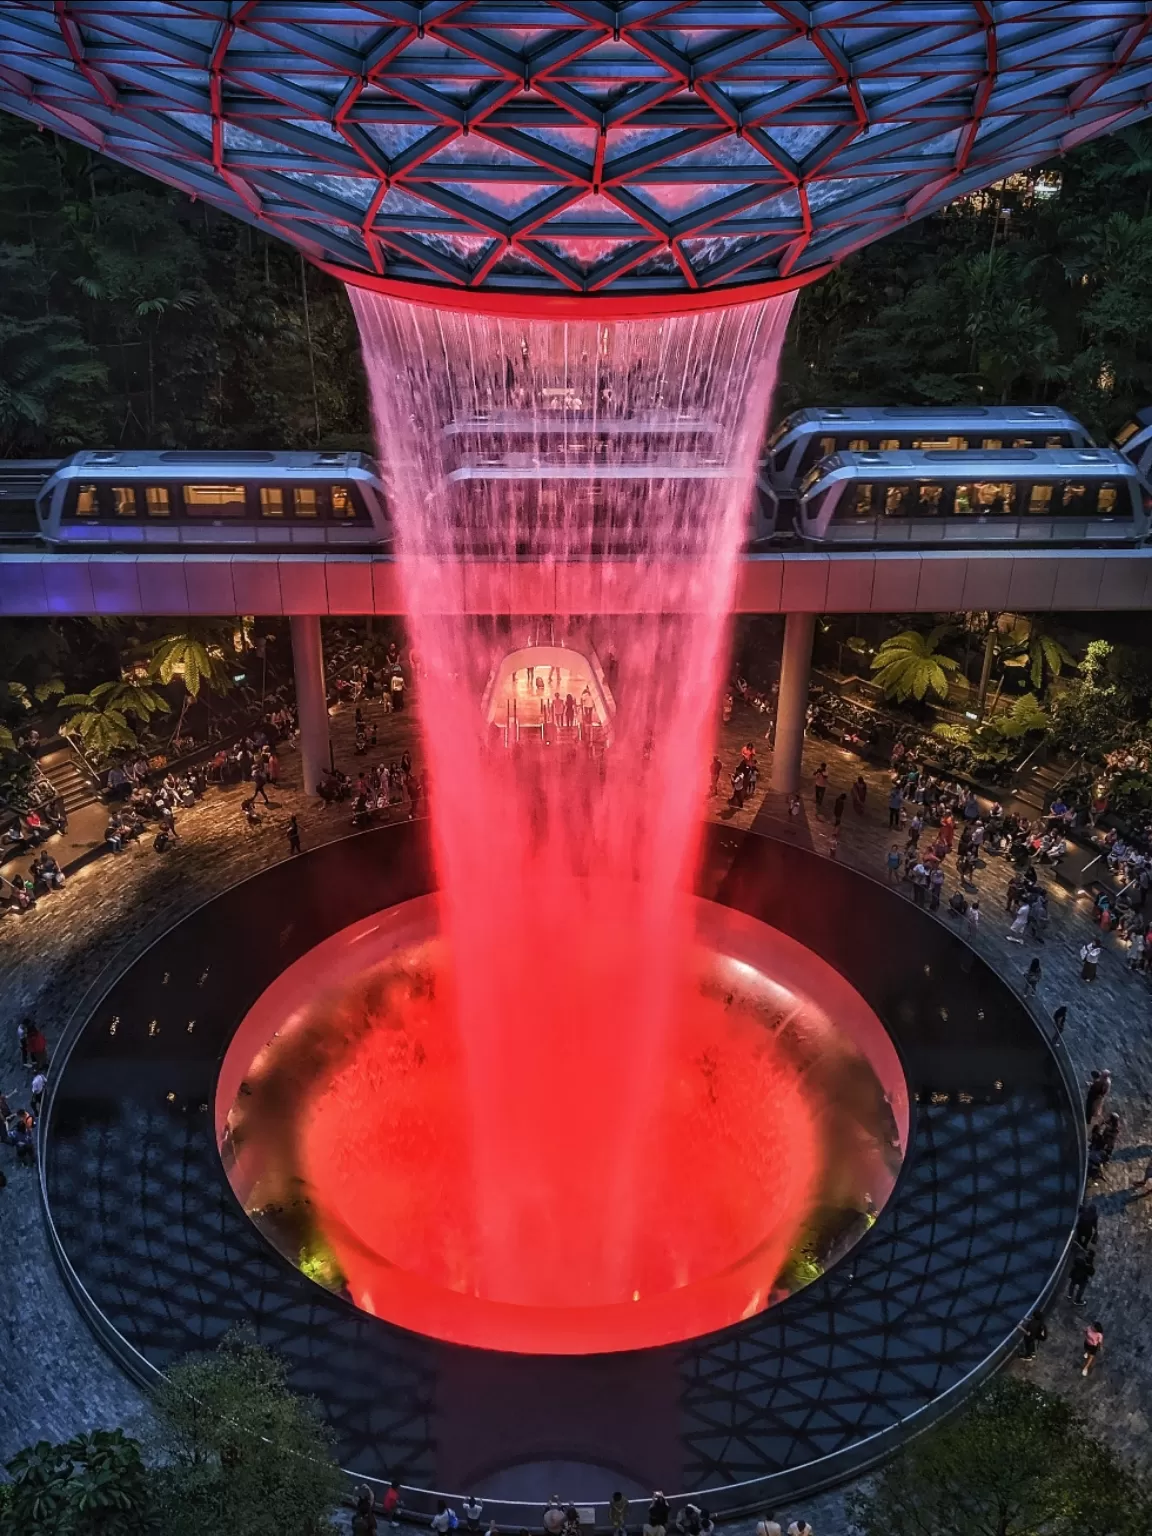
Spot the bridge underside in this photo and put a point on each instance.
(37, 584)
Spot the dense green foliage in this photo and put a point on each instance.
(94, 1485)
(131, 316)
(1017, 1463)
(1039, 290)
(242, 1455)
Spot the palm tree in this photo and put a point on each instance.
(911, 665)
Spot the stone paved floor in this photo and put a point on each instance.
(51, 955)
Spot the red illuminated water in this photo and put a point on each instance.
(621, 457)
(342, 1113)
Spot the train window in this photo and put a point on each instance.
(858, 445)
(983, 498)
(856, 501)
(889, 444)
(271, 501)
(996, 442)
(953, 444)
(1129, 430)
(900, 499)
(1054, 440)
(341, 504)
(123, 499)
(1038, 500)
(818, 448)
(1106, 498)
(1077, 499)
(930, 499)
(305, 501)
(157, 501)
(214, 500)
(1022, 442)
(86, 501)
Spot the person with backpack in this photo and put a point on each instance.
(444, 1520)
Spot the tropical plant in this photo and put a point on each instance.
(130, 696)
(242, 1452)
(195, 656)
(1029, 646)
(1018, 1462)
(911, 665)
(103, 732)
(94, 1485)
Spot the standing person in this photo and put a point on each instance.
(895, 805)
(1083, 1268)
(838, 805)
(364, 1516)
(1015, 934)
(1035, 1332)
(1090, 955)
(1099, 1087)
(919, 884)
(915, 827)
(659, 1512)
(22, 1036)
(39, 1083)
(390, 1503)
(259, 780)
(935, 887)
(1032, 979)
(859, 794)
(768, 1528)
(473, 1509)
(716, 768)
(1093, 1338)
(618, 1513)
(973, 913)
(799, 1528)
(820, 783)
(37, 1046)
(893, 862)
(293, 835)
(1087, 1224)
(1060, 1018)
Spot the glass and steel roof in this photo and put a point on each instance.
(583, 147)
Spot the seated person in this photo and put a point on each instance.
(114, 834)
(1053, 849)
(47, 873)
(37, 831)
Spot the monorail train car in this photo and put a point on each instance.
(933, 497)
(802, 439)
(1134, 441)
(201, 499)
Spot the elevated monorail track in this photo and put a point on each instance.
(42, 582)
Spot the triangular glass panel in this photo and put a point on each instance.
(472, 149)
(395, 138)
(356, 191)
(508, 199)
(674, 200)
(577, 143)
(585, 255)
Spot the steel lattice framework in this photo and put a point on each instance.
(646, 150)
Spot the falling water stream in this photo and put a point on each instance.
(615, 463)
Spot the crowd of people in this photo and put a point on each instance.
(560, 1517)
(18, 1121)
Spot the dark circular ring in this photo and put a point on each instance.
(162, 1259)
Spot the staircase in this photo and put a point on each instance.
(69, 778)
(1035, 789)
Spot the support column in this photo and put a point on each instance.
(311, 698)
(795, 669)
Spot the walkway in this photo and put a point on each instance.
(53, 953)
